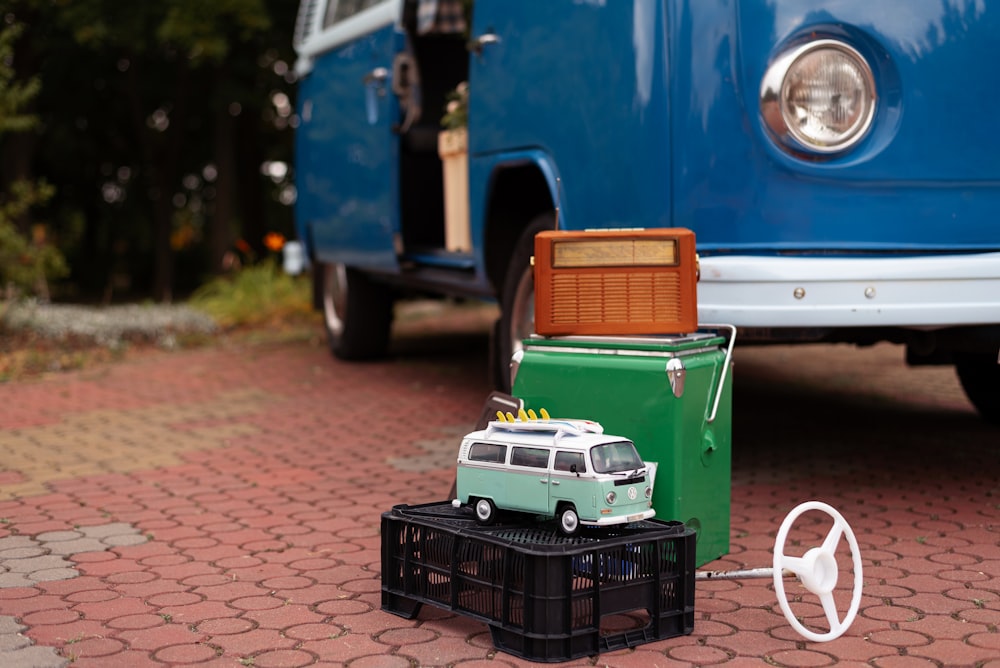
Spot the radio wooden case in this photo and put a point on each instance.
(616, 282)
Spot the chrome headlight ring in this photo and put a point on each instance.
(819, 97)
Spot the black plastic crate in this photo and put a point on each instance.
(543, 595)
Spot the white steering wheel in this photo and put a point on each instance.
(817, 570)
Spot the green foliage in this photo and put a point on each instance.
(155, 134)
(14, 95)
(456, 112)
(25, 264)
(261, 294)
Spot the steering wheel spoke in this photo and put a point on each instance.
(796, 565)
(818, 571)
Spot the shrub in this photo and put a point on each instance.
(260, 294)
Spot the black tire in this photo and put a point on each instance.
(485, 511)
(357, 313)
(569, 521)
(979, 375)
(517, 300)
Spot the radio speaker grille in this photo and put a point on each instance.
(615, 282)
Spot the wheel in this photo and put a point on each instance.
(980, 379)
(517, 300)
(357, 313)
(817, 570)
(486, 512)
(569, 521)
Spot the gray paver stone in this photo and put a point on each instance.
(23, 552)
(51, 574)
(9, 542)
(11, 641)
(55, 536)
(10, 625)
(37, 563)
(32, 657)
(77, 546)
(113, 529)
(14, 580)
(124, 540)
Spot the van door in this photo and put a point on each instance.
(569, 481)
(347, 152)
(528, 482)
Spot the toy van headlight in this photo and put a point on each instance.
(819, 97)
(611, 497)
(649, 492)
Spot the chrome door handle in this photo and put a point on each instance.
(376, 76)
(544, 481)
(556, 482)
(476, 44)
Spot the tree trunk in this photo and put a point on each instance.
(253, 206)
(220, 235)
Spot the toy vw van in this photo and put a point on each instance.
(836, 161)
(562, 468)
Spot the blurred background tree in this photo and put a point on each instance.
(27, 261)
(165, 129)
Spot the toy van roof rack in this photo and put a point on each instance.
(528, 421)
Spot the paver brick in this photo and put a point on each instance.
(251, 642)
(290, 540)
(157, 637)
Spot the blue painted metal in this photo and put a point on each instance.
(927, 177)
(347, 155)
(647, 112)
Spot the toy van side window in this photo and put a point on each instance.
(566, 461)
(491, 453)
(534, 457)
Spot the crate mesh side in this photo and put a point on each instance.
(543, 595)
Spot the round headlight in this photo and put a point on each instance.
(819, 96)
(611, 497)
(649, 492)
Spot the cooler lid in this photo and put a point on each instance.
(672, 345)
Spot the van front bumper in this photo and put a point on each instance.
(619, 519)
(919, 292)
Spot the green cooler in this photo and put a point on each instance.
(672, 395)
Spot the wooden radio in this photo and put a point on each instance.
(616, 282)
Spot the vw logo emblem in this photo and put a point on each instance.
(632, 493)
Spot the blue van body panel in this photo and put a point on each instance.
(646, 113)
(347, 156)
(925, 179)
(584, 83)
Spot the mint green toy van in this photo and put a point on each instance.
(556, 468)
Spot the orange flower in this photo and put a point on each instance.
(242, 246)
(274, 241)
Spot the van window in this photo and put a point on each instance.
(338, 10)
(612, 457)
(565, 461)
(534, 457)
(487, 452)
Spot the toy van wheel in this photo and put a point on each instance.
(485, 511)
(569, 521)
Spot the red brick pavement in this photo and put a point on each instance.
(259, 474)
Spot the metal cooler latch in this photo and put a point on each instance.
(675, 374)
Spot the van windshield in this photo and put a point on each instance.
(615, 457)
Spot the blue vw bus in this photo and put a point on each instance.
(838, 161)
